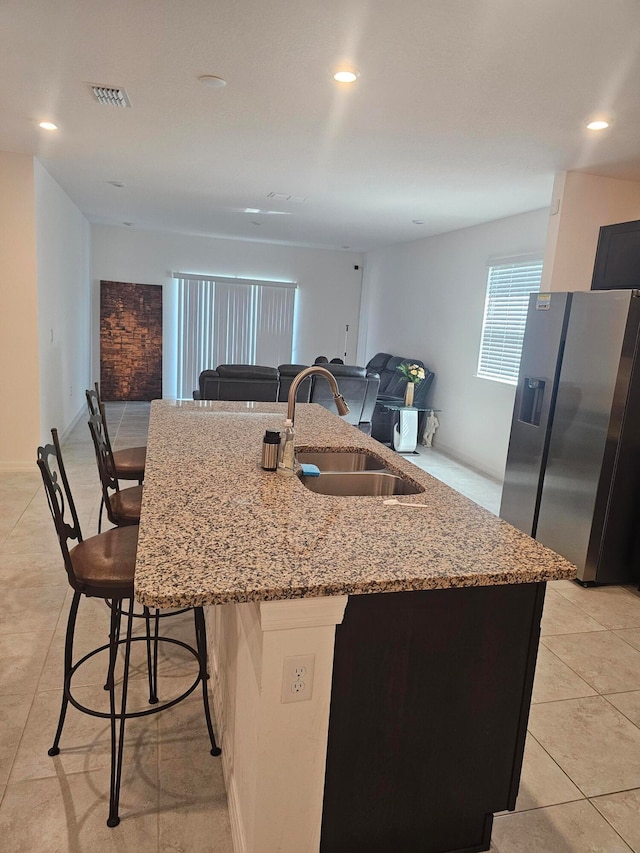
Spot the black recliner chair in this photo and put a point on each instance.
(392, 388)
(358, 386)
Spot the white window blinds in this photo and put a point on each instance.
(505, 315)
(231, 321)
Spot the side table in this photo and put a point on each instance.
(405, 431)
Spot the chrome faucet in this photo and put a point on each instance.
(287, 463)
(341, 405)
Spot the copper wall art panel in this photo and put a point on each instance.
(130, 341)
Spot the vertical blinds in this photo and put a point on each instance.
(223, 321)
(505, 315)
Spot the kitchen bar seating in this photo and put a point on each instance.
(103, 567)
(122, 505)
(130, 461)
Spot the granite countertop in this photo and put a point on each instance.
(216, 528)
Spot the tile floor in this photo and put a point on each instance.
(580, 787)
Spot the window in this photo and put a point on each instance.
(505, 315)
(231, 321)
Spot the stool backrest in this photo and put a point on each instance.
(104, 460)
(60, 500)
(96, 407)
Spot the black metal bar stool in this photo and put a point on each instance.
(129, 463)
(103, 567)
(122, 505)
(123, 509)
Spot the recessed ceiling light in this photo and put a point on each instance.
(267, 212)
(346, 75)
(598, 125)
(212, 81)
(48, 125)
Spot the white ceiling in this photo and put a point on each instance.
(463, 112)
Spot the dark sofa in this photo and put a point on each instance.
(391, 390)
(358, 386)
(238, 382)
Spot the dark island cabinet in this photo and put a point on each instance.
(429, 707)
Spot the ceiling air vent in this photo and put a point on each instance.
(109, 95)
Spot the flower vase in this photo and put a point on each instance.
(408, 393)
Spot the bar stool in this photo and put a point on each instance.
(123, 509)
(122, 505)
(103, 567)
(129, 463)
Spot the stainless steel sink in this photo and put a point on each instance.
(341, 460)
(361, 483)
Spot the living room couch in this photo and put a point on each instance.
(238, 382)
(391, 390)
(358, 386)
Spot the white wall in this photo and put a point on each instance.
(426, 300)
(19, 412)
(328, 286)
(583, 204)
(64, 304)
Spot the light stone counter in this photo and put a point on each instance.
(216, 528)
(285, 570)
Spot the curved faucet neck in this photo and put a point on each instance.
(311, 371)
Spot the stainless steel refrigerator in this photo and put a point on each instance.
(572, 478)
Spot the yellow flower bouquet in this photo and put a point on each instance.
(413, 372)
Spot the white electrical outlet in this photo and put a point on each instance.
(297, 678)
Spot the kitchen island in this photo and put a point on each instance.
(416, 628)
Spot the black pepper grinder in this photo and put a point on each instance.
(270, 448)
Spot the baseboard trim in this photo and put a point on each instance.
(463, 459)
(64, 435)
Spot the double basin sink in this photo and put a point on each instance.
(353, 472)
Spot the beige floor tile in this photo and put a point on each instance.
(560, 616)
(630, 635)
(623, 813)
(568, 828)
(543, 783)
(18, 571)
(628, 703)
(601, 658)
(25, 610)
(22, 658)
(35, 537)
(68, 813)
(611, 606)
(14, 711)
(554, 680)
(561, 584)
(85, 741)
(595, 745)
(182, 730)
(193, 806)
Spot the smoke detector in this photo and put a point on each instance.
(109, 95)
